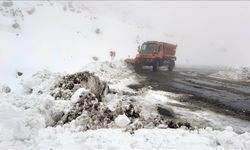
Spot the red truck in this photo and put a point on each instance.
(154, 53)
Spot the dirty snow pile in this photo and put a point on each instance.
(95, 106)
(117, 74)
(233, 73)
(65, 111)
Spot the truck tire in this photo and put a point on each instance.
(156, 66)
(171, 66)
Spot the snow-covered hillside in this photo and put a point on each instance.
(60, 35)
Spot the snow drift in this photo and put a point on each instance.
(233, 73)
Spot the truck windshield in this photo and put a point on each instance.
(148, 47)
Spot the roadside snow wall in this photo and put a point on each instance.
(230, 73)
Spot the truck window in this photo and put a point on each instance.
(148, 47)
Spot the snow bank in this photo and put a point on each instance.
(22, 113)
(25, 117)
(117, 74)
(60, 138)
(22, 117)
(233, 73)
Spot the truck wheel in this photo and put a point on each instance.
(156, 66)
(171, 66)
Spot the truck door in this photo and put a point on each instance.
(161, 50)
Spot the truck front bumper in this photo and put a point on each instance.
(147, 61)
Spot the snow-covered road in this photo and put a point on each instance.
(214, 101)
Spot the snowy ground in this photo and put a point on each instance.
(60, 138)
(26, 119)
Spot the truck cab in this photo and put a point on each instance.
(153, 53)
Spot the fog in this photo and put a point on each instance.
(207, 32)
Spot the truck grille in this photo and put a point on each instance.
(147, 60)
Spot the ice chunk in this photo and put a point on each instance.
(77, 94)
(122, 121)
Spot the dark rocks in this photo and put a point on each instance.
(95, 58)
(70, 83)
(59, 93)
(39, 92)
(131, 111)
(57, 116)
(157, 121)
(166, 112)
(97, 31)
(90, 111)
(176, 124)
(29, 90)
(31, 11)
(19, 73)
(16, 25)
(5, 89)
(88, 108)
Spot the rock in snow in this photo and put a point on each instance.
(5, 89)
(70, 83)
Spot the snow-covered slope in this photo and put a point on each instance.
(59, 36)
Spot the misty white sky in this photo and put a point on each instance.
(207, 32)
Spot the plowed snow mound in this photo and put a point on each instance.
(237, 74)
(90, 109)
(117, 74)
(65, 88)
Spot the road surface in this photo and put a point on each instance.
(221, 96)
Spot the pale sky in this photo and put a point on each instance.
(206, 32)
